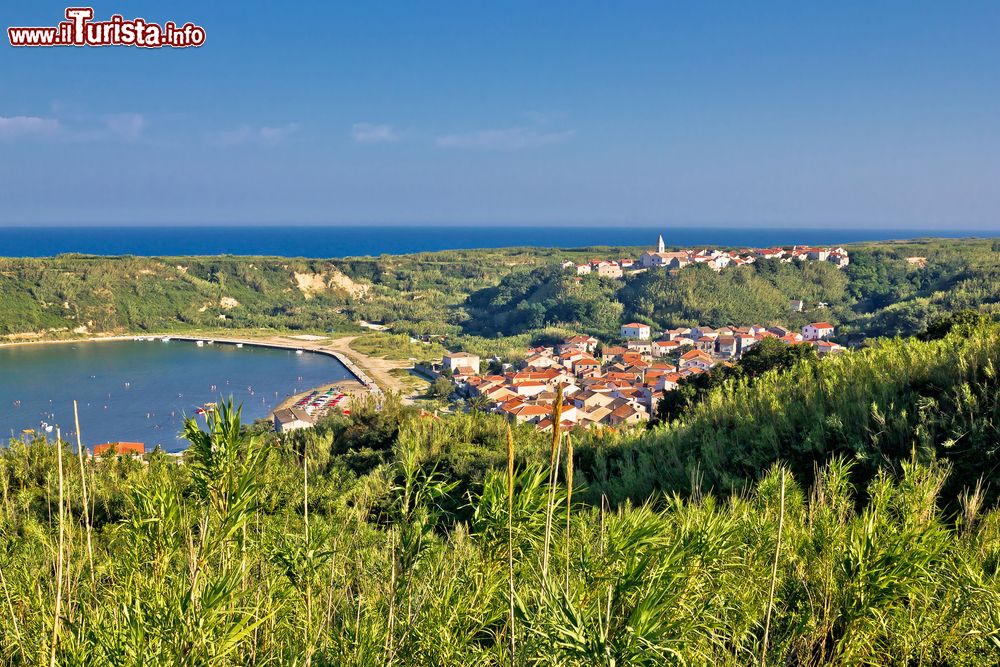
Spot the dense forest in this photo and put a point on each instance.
(837, 512)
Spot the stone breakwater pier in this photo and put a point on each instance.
(298, 346)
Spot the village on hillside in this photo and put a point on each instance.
(713, 258)
(621, 383)
(613, 385)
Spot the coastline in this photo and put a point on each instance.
(355, 383)
(85, 339)
(358, 241)
(358, 373)
(349, 387)
(360, 366)
(292, 344)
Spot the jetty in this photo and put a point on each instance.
(296, 346)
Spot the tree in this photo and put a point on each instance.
(478, 404)
(963, 321)
(440, 388)
(770, 354)
(767, 355)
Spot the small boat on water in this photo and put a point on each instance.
(200, 343)
(239, 344)
(298, 352)
(165, 339)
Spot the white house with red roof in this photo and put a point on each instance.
(728, 346)
(817, 331)
(463, 362)
(587, 343)
(662, 348)
(636, 330)
(696, 359)
(607, 269)
(839, 258)
(825, 347)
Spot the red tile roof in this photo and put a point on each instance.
(121, 448)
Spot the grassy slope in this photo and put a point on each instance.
(877, 407)
(880, 293)
(397, 566)
(428, 293)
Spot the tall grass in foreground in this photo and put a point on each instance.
(874, 406)
(215, 563)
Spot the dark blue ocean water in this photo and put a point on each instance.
(139, 391)
(343, 241)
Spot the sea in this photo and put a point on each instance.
(140, 391)
(366, 240)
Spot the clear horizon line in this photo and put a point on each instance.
(831, 226)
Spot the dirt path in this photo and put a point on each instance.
(377, 368)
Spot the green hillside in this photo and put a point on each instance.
(838, 512)
(416, 293)
(888, 289)
(895, 401)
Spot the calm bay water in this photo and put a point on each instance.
(344, 241)
(139, 391)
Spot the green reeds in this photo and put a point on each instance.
(219, 561)
(569, 502)
(553, 477)
(774, 573)
(510, 541)
(83, 491)
(57, 612)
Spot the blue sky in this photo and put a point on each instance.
(844, 114)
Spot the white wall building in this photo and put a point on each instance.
(455, 360)
(636, 331)
(817, 331)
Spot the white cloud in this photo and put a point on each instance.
(509, 139)
(123, 126)
(373, 133)
(252, 134)
(27, 126)
(127, 126)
